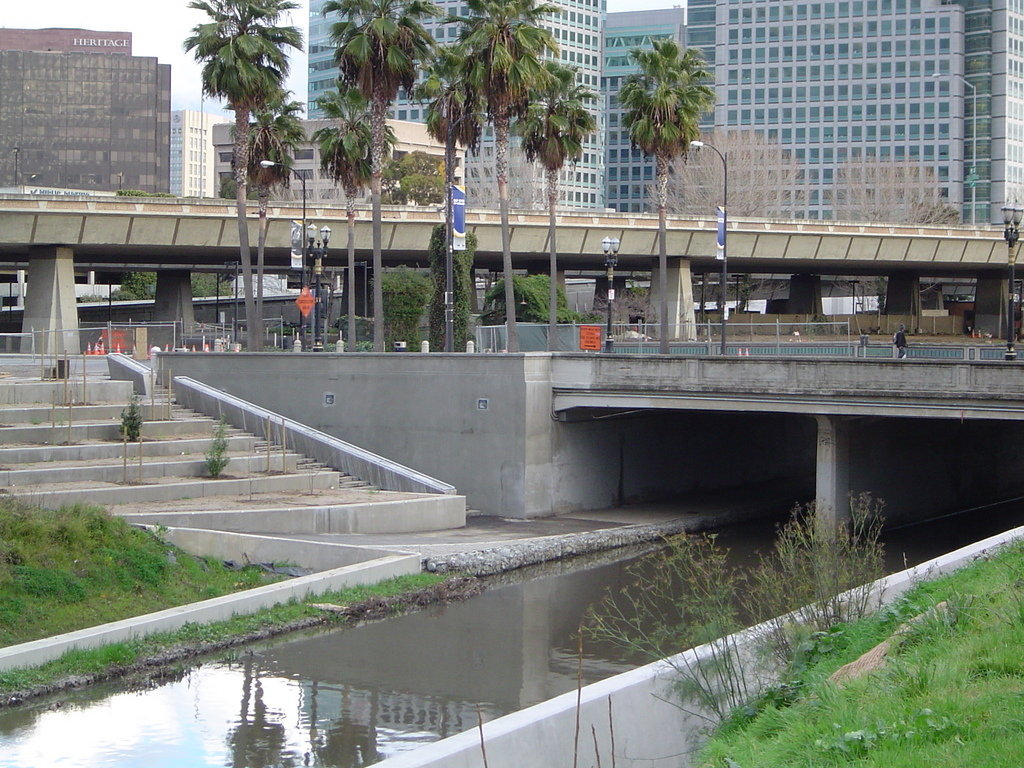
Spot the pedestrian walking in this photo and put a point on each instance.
(900, 340)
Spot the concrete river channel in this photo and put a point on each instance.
(352, 697)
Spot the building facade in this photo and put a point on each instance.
(629, 172)
(78, 110)
(909, 82)
(577, 27)
(192, 153)
(409, 136)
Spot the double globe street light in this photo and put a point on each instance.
(1011, 233)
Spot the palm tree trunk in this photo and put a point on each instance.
(378, 125)
(350, 292)
(501, 126)
(553, 294)
(662, 184)
(264, 197)
(242, 186)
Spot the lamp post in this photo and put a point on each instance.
(449, 234)
(17, 166)
(302, 179)
(722, 229)
(318, 249)
(1011, 233)
(973, 176)
(611, 247)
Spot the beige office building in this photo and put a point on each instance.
(192, 153)
(410, 136)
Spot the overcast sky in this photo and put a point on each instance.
(159, 26)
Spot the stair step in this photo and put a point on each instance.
(42, 454)
(44, 434)
(42, 415)
(110, 493)
(115, 471)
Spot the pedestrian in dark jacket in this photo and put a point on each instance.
(900, 340)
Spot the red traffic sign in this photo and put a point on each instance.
(305, 301)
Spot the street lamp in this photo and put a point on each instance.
(449, 234)
(1011, 233)
(611, 247)
(318, 248)
(302, 178)
(721, 255)
(973, 177)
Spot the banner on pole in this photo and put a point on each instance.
(297, 233)
(458, 217)
(720, 243)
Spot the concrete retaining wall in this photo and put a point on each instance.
(124, 368)
(216, 609)
(410, 515)
(649, 728)
(462, 418)
(369, 467)
(254, 548)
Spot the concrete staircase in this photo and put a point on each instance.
(57, 450)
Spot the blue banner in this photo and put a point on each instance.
(458, 217)
(720, 253)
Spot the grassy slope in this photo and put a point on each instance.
(951, 695)
(77, 567)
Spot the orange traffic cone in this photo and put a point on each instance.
(206, 347)
(88, 349)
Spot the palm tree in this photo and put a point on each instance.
(553, 130)
(241, 48)
(503, 43)
(345, 156)
(663, 107)
(380, 45)
(274, 135)
(453, 116)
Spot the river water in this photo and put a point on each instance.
(351, 697)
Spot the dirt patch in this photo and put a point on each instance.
(157, 667)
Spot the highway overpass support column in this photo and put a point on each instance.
(990, 300)
(832, 469)
(174, 297)
(682, 323)
(50, 304)
(903, 295)
(805, 295)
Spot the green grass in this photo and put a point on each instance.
(951, 694)
(101, 660)
(78, 567)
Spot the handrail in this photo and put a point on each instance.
(385, 474)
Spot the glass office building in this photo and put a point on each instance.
(577, 27)
(629, 171)
(82, 112)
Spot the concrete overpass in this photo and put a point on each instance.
(55, 237)
(538, 434)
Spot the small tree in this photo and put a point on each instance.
(131, 420)
(406, 293)
(216, 454)
(462, 269)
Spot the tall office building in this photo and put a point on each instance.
(860, 81)
(78, 110)
(629, 171)
(192, 156)
(577, 27)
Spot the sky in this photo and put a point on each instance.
(159, 26)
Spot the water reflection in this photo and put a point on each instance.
(349, 698)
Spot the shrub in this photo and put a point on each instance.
(131, 420)
(216, 460)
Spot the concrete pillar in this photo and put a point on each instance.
(903, 295)
(682, 323)
(362, 288)
(173, 302)
(805, 295)
(832, 469)
(50, 303)
(991, 295)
